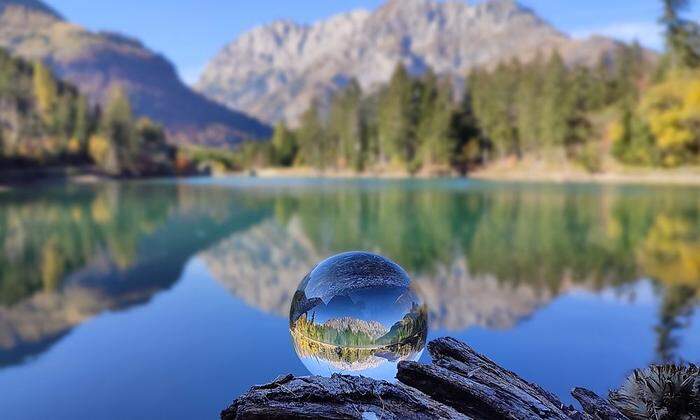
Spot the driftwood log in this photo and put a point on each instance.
(460, 384)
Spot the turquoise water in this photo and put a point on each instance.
(170, 298)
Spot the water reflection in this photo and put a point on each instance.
(482, 254)
(71, 253)
(377, 362)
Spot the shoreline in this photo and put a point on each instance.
(598, 178)
(683, 176)
(627, 176)
(80, 175)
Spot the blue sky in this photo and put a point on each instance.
(190, 32)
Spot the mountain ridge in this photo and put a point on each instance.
(31, 4)
(275, 71)
(94, 61)
(371, 329)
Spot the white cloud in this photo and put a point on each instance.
(649, 34)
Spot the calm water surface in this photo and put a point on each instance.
(168, 299)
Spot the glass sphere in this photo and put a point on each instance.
(357, 313)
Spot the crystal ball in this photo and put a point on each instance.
(357, 313)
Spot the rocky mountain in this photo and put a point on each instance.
(372, 329)
(275, 71)
(96, 61)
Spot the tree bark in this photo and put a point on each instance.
(337, 397)
(460, 384)
(595, 406)
(476, 386)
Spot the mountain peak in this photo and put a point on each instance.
(502, 4)
(33, 5)
(407, 6)
(503, 7)
(277, 77)
(409, 3)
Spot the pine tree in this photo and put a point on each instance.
(682, 36)
(575, 109)
(438, 142)
(64, 117)
(369, 112)
(529, 106)
(347, 128)
(396, 119)
(602, 90)
(427, 108)
(284, 145)
(468, 142)
(117, 126)
(9, 75)
(628, 72)
(312, 139)
(555, 108)
(82, 123)
(495, 106)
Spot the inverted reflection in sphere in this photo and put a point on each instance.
(357, 313)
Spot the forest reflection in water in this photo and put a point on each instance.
(481, 254)
(377, 362)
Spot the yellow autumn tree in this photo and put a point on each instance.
(45, 91)
(103, 153)
(671, 110)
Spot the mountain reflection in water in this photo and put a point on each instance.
(482, 255)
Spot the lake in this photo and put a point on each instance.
(167, 299)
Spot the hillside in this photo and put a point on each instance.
(46, 123)
(96, 61)
(275, 71)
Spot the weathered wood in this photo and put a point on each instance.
(476, 386)
(337, 397)
(595, 406)
(459, 384)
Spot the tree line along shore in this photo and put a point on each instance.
(633, 112)
(48, 129)
(634, 116)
